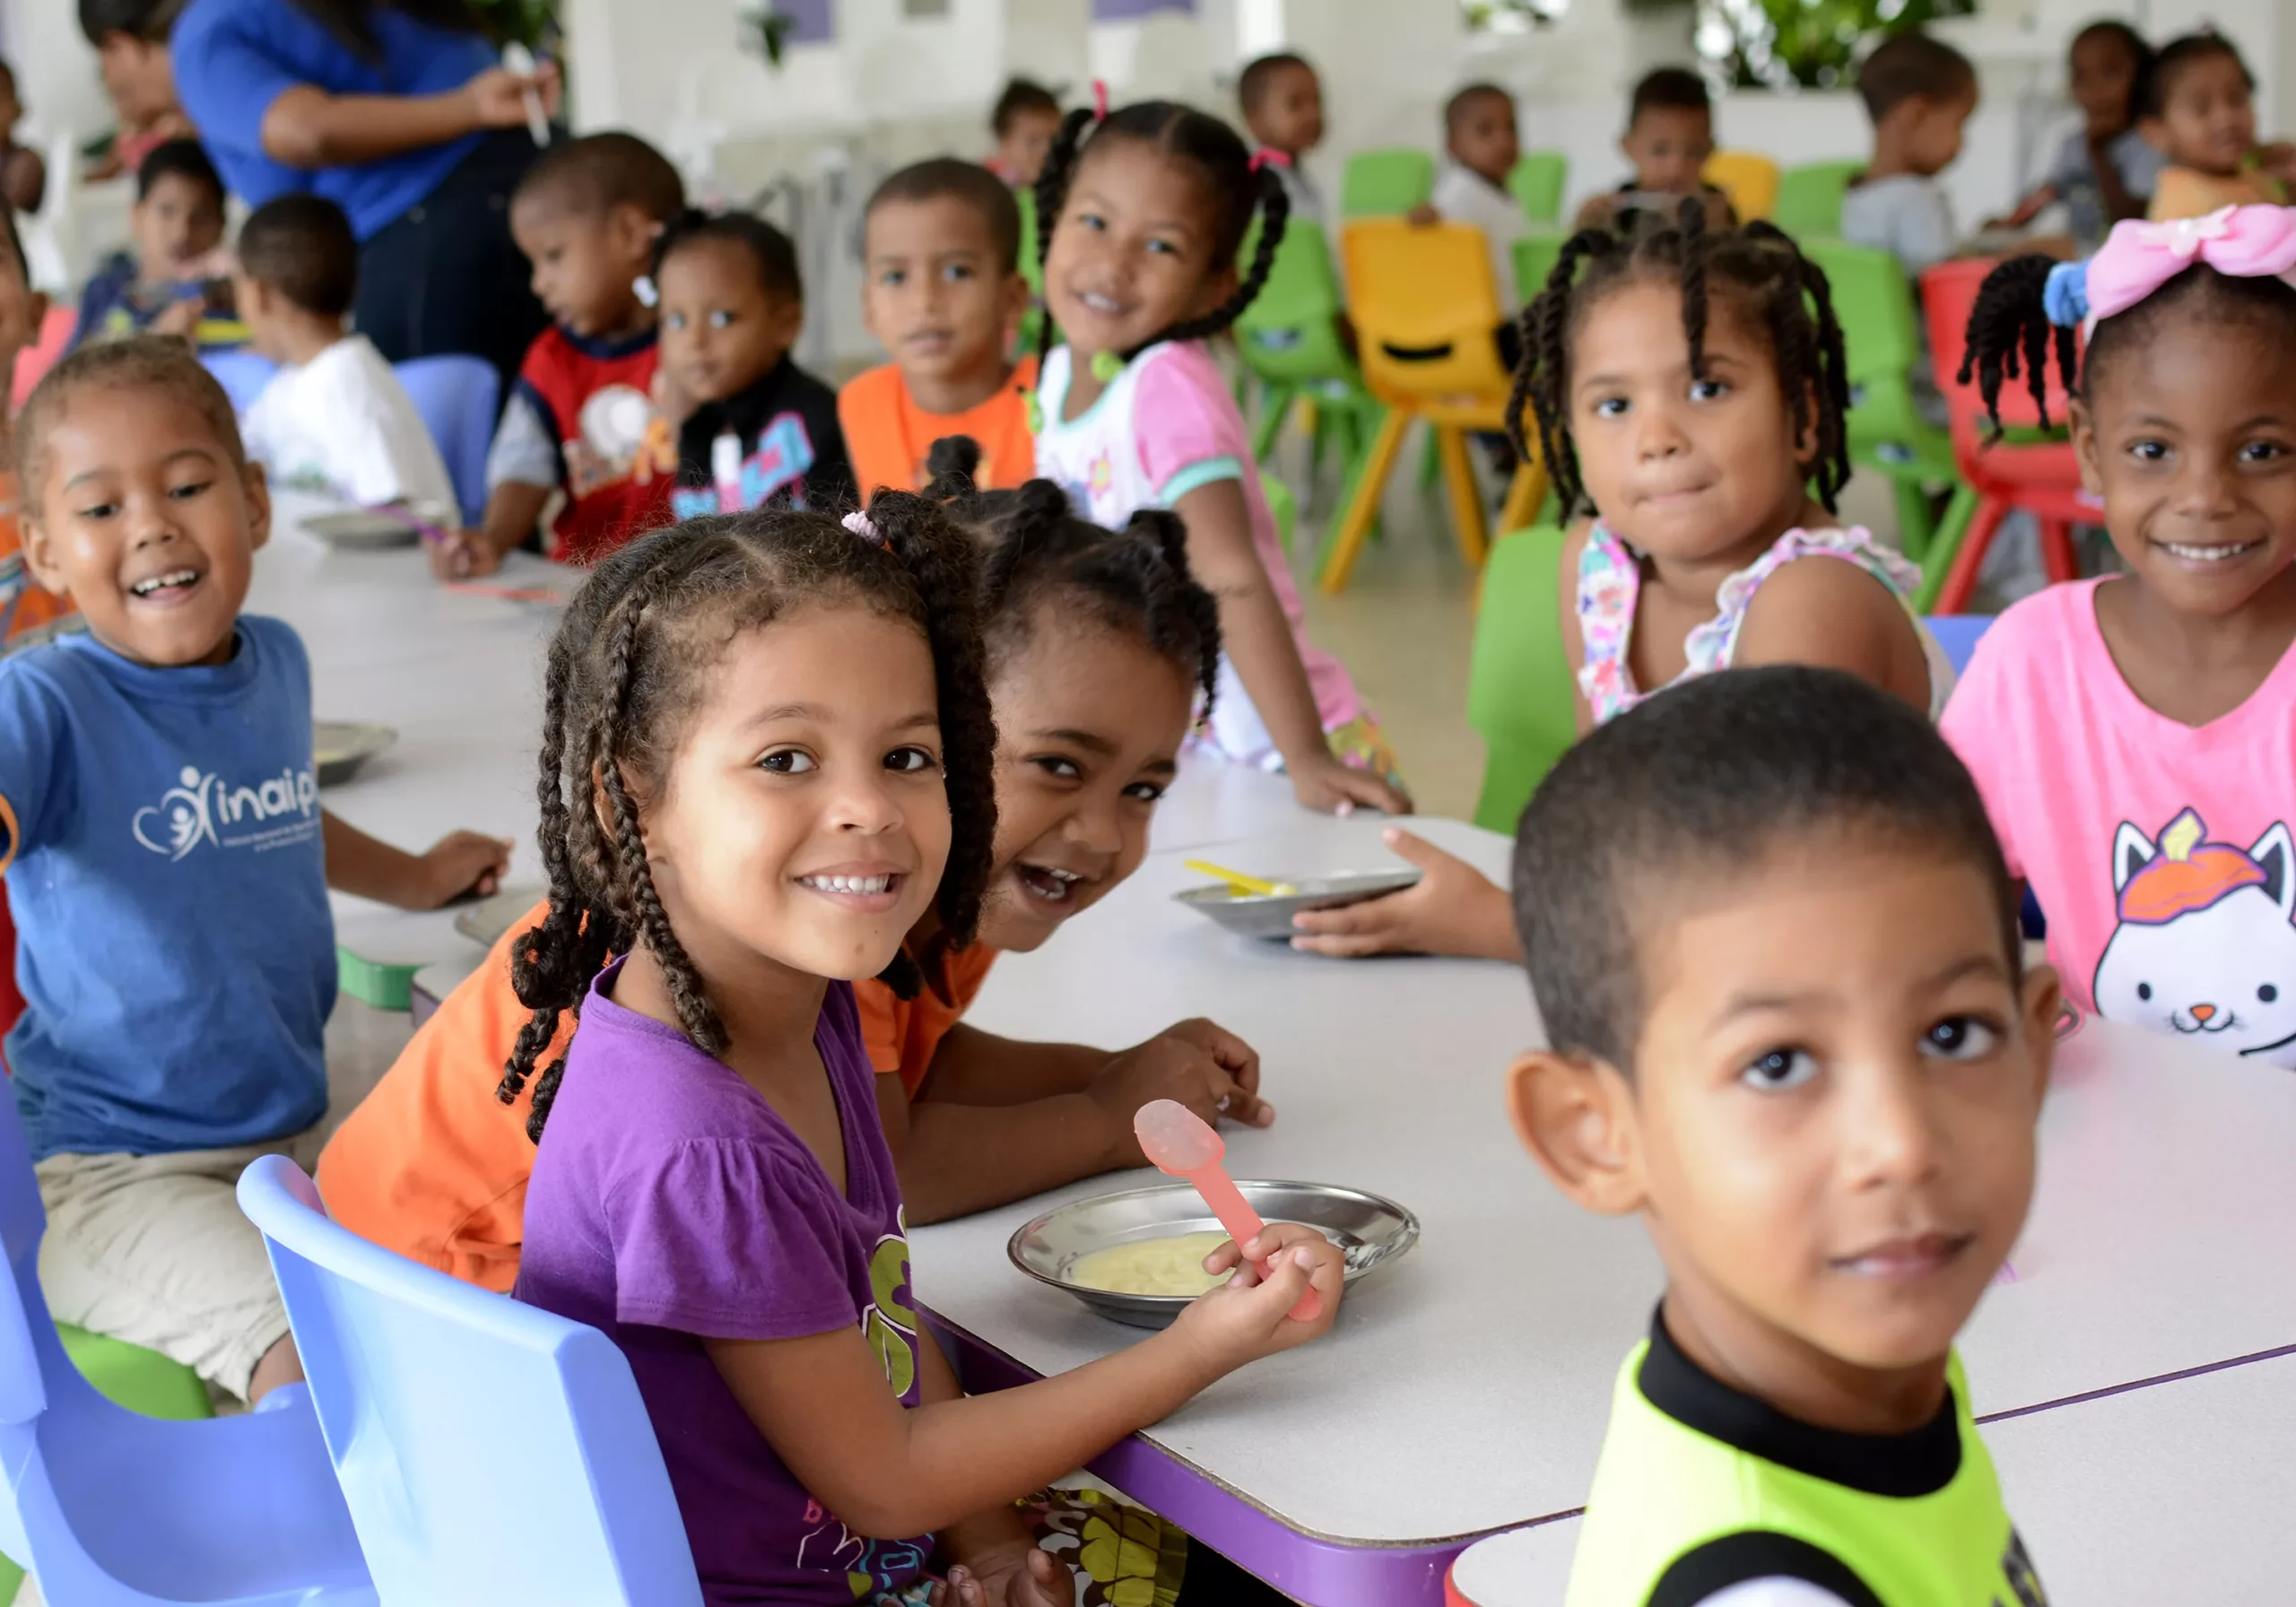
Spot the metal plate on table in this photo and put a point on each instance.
(339, 747)
(363, 529)
(1371, 1230)
(1269, 916)
(485, 921)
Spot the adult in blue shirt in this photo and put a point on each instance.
(398, 111)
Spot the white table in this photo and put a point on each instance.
(1465, 1391)
(2179, 1491)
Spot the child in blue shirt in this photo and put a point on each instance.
(167, 864)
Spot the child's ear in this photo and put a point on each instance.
(1575, 1116)
(2085, 447)
(256, 487)
(633, 232)
(39, 555)
(2044, 995)
(792, 319)
(1016, 307)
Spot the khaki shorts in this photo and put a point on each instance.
(152, 1249)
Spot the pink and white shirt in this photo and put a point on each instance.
(2160, 852)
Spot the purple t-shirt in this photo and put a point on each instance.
(670, 1204)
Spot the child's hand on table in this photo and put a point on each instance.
(464, 555)
(1247, 1317)
(1017, 1574)
(1455, 909)
(459, 863)
(1329, 783)
(1211, 1070)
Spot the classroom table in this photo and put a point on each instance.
(2176, 1491)
(1464, 1390)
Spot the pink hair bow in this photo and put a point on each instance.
(2241, 242)
(1100, 100)
(1266, 156)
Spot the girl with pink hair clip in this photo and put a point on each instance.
(2135, 736)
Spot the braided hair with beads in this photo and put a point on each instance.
(1234, 187)
(1781, 293)
(630, 662)
(1036, 552)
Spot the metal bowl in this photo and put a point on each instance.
(1266, 916)
(490, 917)
(339, 747)
(363, 529)
(1372, 1231)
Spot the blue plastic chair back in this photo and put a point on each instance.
(1957, 633)
(458, 398)
(444, 1404)
(242, 373)
(110, 1507)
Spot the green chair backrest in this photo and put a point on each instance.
(1537, 182)
(1032, 269)
(1384, 183)
(1282, 505)
(1290, 331)
(1535, 255)
(1520, 687)
(1875, 307)
(1809, 197)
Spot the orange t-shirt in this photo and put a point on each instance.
(2183, 193)
(432, 1166)
(887, 435)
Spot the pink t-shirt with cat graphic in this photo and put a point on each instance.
(2160, 852)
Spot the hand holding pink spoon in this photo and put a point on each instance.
(1176, 1141)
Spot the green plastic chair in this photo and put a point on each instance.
(1032, 269)
(1809, 197)
(1386, 183)
(1537, 182)
(1886, 431)
(1284, 505)
(1535, 255)
(1519, 698)
(1288, 340)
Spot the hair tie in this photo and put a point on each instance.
(2066, 296)
(858, 523)
(1100, 100)
(1268, 156)
(643, 287)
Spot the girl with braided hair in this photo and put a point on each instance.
(752, 827)
(2135, 734)
(1689, 387)
(1145, 212)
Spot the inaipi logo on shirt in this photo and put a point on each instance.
(204, 810)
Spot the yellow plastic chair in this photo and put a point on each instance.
(1425, 306)
(1749, 179)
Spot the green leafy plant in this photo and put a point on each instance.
(1809, 44)
(1509, 16)
(764, 32)
(532, 24)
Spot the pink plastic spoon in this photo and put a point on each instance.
(1175, 1140)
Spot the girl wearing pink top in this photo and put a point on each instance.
(2136, 736)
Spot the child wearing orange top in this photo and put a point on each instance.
(2200, 111)
(1100, 645)
(942, 290)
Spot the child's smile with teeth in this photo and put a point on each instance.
(1046, 883)
(172, 580)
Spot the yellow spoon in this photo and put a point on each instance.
(1238, 883)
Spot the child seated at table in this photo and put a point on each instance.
(167, 865)
(2134, 735)
(1480, 139)
(1710, 445)
(757, 427)
(1788, 1025)
(583, 418)
(2200, 111)
(754, 829)
(942, 290)
(1025, 121)
(1919, 92)
(1100, 644)
(175, 281)
(1283, 103)
(334, 419)
(23, 171)
(2107, 169)
(1669, 136)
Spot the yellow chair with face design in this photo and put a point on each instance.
(1425, 307)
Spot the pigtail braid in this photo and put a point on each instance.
(540, 961)
(1164, 534)
(2009, 323)
(951, 467)
(1274, 215)
(1546, 325)
(1052, 196)
(1040, 513)
(1690, 225)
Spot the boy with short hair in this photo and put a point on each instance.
(1283, 103)
(130, 39)
(1669, 136)
(175, 281)
(1026, 121)
(1777, 954)
(1481, 140)
(1919, 92)
(942, 290)
(167, 865)
(585, 416)
(335, 418)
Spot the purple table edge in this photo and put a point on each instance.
(1326, 1573)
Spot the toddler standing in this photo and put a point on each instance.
(1283, 103)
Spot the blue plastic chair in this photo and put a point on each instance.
(115, 1509)
(458, 398)
(1957, 633)
(242, 373)
(440, 1401)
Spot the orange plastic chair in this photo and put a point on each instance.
(1425, 306)
(1749, 179)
